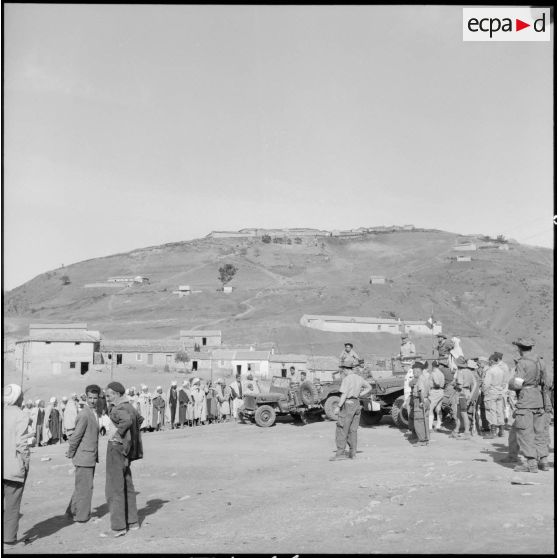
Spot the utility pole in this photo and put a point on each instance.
(22, 364)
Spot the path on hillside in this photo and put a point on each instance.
(236, 316)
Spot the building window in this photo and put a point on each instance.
(47, 342)
(77, 343)
(138, 356)
(222, 363)
(204, 341)
(109, 356)
(249, 367)
(379, 327)
(72, 364)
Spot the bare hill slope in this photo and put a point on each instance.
(487, 302)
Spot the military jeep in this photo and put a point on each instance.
(386, 397)
(283, 399)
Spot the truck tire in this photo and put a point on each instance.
(331, 407)
(308, 393)
(265, 416)
(370, 418)
(399, 413)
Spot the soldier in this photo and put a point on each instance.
(407, 349)
(530, 417)
(436, 396)
(482, 363)
(444, 347)
(419, 403)
(348, 359)
(352, 388)
(464, 384)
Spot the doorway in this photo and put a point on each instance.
(84, 368)
(118, 358)
(194, 365)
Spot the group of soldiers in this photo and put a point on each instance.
(482, 395)
(478, 396)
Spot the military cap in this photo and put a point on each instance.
(420, 364)
(461, 362)
(350, 344)
(442, 335)
(404, 336)
(524, 342)
(498, 355)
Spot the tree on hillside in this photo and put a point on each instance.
(266, 239)
(501, 238)
(226, 273)
(65, 280)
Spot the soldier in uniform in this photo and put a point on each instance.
(352, 388)
(407, 349)
(444, 347)
(349, 358)
(530, 416)
(465, 385)
(419, 403)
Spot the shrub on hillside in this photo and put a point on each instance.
(65, 280)
(266, 239)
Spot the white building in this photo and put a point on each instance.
(356, 324)
(57, 349)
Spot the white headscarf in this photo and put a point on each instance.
(53, 400)
(11, 394)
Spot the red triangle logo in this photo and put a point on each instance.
(519, 25)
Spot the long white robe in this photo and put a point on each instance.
(145, 410)
(199, 405)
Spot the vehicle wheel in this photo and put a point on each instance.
(370, 418)
(399, 414)
(265, 416)
(331, 407)
(308, 393)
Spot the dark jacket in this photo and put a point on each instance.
(128, 421)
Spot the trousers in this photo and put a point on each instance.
(80, 503)
(13, 492)
(119, 489)
(529, 427)
(418, 419)
(436, 396)
(347, 426)
(495, 411)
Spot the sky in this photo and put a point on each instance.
(128, 126)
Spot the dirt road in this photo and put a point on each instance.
(232, 488)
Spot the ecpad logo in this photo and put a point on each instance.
(506, 24)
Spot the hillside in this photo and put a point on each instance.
(487, 302)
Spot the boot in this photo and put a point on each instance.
(490, 435)
(530, 467)
(543, 464)
(501, 431)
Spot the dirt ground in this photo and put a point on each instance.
(233, 488)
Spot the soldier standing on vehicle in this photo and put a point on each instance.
(407, 349)
(530, 416)
(445, 345)
(349, 358)
(352, 388)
